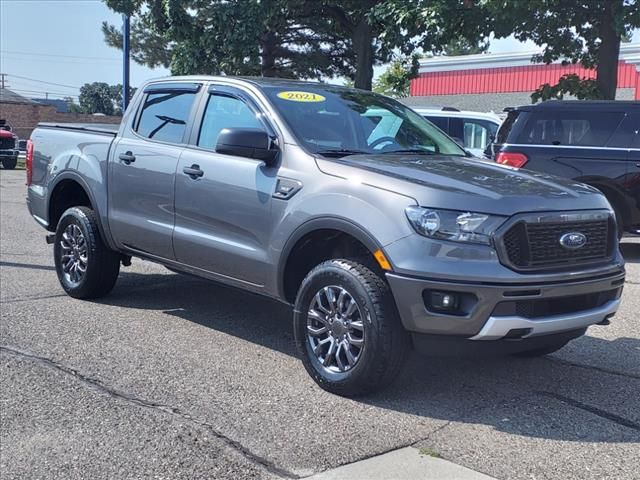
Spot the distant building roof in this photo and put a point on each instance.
(629, 53)
(7, 96)
(61, 105)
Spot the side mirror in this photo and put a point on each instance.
(248, 143)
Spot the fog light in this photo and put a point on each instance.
(444, 301)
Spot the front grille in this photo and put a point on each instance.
(545, 307)
(7, 143)
(537, 245)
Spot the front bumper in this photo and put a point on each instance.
(9, 153)
(494, 313)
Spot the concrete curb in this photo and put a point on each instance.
(403, 464)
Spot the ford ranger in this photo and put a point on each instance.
(380, 231)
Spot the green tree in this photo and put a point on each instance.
(100, 97)
(250, 37)
(396, 79)
(96, 97)
(573, 31)
(72, 105)
(463, 46)
(286, 38)
(432, 27)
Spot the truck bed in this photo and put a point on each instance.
(104, 128)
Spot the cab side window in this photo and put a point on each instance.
(164, 116)
(223, 111)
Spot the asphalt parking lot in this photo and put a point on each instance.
(173, 377)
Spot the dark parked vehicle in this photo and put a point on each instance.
(593, 142)
(378, 229)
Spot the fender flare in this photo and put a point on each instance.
(322, 223)
(76, 177)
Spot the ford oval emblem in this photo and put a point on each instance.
(573, 240)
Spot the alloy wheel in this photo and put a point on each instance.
(74, 254)
(335, 329)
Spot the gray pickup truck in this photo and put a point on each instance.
(381, 232)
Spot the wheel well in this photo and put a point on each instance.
(316, 247)
(67, 194)
(615, 198)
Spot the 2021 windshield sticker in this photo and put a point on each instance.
(301, 97)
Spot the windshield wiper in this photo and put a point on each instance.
(419, 151)
(340, 152)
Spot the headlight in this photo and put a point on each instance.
(452, 225)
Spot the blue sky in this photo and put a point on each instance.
(60, 42)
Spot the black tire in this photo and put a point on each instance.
(102, 264)
(385, 342)
(9, 163)
(540, 352)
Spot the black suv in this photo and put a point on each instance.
(594, 142)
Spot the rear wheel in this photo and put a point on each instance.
(86, 267)
(9, 163)
(347, 329)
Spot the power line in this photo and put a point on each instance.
(43, 92)
(42, 81)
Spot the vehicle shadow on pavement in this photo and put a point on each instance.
(551, 397)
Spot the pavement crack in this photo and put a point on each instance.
(593, 367)
(113, 393)
(32, 298)
(625, 422)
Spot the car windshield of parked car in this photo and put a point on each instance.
(335, 121)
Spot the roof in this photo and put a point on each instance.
(580, 105)
(61, 105)
(7, 96)
(629, 53)
(440, 112)
(258, 81)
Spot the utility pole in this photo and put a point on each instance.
(2, 75)
(125, 62)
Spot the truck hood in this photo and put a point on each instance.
(458, 183)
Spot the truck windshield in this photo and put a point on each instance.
(336, 121)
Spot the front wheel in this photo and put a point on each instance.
(9, 163)
(86, 267)
(347, 329)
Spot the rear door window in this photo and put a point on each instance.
(164, 116)
(578, 128)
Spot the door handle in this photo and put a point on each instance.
(127, 157)
(193, 171)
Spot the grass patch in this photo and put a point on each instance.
(430, 452)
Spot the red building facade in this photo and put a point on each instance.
(505, 73)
